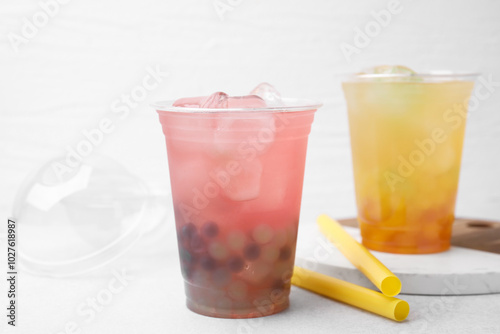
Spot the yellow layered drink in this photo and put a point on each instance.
(407, 132)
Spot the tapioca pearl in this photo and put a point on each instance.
(256, 272)
(181, 241)
(237, 290)
(187, 231)
(280, 237)
(270, 253)
(186, 257)
(235, 264)
(210, 229)
(251, 252)
(197, 244)
(207, 263)
(262, 234)
(221, 277)
(236, 240)
(285, 253)
(217, 250)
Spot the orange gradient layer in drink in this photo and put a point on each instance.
(406, 139)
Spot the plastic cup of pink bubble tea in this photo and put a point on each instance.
(236, 172)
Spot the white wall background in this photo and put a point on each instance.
(65, 77)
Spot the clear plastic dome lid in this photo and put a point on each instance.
(74, 219)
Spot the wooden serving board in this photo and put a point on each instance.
(471, 266)
(468, 233)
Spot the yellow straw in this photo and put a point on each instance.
(352, 294)
(360, 257)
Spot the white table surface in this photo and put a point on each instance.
(65, 79)
(153, 302)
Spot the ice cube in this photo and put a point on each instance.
(190, 172)
(253, 130)
(248, 128)
(394, 73)
(221, 100)
(217, 100)
(236, 132)
(269, 94)
(247, 101)
(246, 184)
(189, 102)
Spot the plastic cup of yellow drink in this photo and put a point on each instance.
(407, 132)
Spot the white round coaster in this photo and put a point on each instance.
(459, 271)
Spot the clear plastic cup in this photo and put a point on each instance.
(407, 133)
(236, 177)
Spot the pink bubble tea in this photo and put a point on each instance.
(236, 172)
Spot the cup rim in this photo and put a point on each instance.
(431, 76)
(291, 105)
